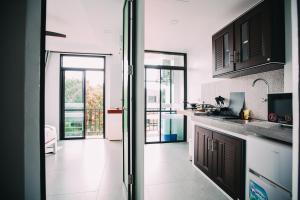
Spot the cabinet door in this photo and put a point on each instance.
(202, 154)
(228, 165)
(252, 38)
(222, 43)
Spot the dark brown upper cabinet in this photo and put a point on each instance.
(258, 41)
(223, 51)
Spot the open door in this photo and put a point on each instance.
(127, 98)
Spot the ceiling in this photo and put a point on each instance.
(187, 25)
(90, 25)
(170, 25)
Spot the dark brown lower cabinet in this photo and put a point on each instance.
(202, 156)
(221, 157)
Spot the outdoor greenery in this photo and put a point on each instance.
(73, 91)
(94, 108)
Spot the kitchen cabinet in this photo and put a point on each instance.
(221, 158)
(223, 51)
(228, 164)
(258, 41)
(202, 156)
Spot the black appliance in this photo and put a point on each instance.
(236, 104)
(280, 108)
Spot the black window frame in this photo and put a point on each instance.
(62, 91)
(171, 68)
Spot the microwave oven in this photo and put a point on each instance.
(280, 108)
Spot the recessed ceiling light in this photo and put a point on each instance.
(174, 21)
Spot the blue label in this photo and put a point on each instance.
(256, 192)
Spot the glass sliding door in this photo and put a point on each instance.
(153, 105)
(164, 95)
(82, 97)
(94, 104)
(73, 104)
(172, 98)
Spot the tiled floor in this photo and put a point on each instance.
(92, 170)
(169, 175)
(85, 170)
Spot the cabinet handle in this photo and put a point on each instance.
(208, 145)
(236, 56)
(231, 56)
(214, 146)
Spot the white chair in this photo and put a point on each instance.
(51, 138)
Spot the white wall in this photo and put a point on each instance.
(113, 86)
(139, 107)
(295, 74)
(52, 91)
(32, 102)
(288, 70)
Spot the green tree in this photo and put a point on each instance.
(94, 105)
(73, 91)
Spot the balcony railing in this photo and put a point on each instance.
(94, 121)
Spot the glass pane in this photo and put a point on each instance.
(166, 90)
(152, 126)
(74, 124)
(163, 59)
(83, 62)
(94, 103)
(171, 127)
(245, 41)
(153, 89)
(226, 49)
(74, 90)
(177, 102)
(74, 104)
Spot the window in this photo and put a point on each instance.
(164, 59)
(152, 99)
(83, 62)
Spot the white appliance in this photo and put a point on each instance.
(269, 170)
(114, 124)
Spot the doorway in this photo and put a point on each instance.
(82, 96)
(165, 93)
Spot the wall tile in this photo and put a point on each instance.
(253, 95)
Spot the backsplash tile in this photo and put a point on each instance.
(253, 95)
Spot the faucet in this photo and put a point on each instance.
(268, 87)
